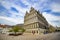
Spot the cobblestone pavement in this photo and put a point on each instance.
(50, 36)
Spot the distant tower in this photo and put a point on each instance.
(34, 21)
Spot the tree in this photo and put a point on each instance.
(16, 29)
(10, 30)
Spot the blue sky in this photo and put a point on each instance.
(12, 11)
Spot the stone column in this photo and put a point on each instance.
(37, 25)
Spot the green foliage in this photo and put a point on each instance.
(10, 30)
(23, 30)
(17, 29)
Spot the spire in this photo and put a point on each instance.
(26, 13)
(31, 9)
(38, 11)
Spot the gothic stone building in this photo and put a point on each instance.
(35, 22)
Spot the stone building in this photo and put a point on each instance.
(35, 22)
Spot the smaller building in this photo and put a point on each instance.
(4, 29)
(58, 29)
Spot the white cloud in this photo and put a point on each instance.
(39, 6)
(13, 17)
(55, 7)
(50, 18)
(20, 9)
(8, 6)
(15, 20)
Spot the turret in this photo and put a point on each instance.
(31, 9)
(26, 13)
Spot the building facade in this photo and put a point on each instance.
(35, 22)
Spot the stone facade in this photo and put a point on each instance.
(34, 21)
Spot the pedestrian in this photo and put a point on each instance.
(33, 32)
